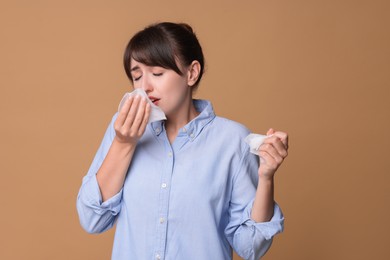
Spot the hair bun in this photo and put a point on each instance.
(187, 27)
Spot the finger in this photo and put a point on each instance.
(283, 137)
(277, 144)
(146, 119)
(122, 115)
(271, 150)
(270, 131)
(132, 112)
(138, 119)
(267, 160)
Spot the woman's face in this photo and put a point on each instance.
(164, 87)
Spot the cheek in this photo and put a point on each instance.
(173, 86)
(174, 93)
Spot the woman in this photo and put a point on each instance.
(186, 187)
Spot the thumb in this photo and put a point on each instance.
(270, 131)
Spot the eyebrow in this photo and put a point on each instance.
(136, 67)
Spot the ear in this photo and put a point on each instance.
(193, 73)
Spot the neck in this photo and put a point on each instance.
(175, 122)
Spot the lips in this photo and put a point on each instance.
(154, 99)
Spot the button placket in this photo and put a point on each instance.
(162, 220)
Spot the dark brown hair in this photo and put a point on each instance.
(162, 45)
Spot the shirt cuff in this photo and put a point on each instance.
(267, 229)
(94, 198)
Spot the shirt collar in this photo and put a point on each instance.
(195, 126)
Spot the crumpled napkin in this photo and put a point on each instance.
(254, 141)
(156, 114)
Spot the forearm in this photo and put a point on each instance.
(112, 172)
(263, 205)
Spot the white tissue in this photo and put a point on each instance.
(254, 141)
(156, 114)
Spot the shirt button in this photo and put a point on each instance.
(158, 257)
(164, 185)
(162, 220)
(170, 154)
(192, 135)
(158, 130)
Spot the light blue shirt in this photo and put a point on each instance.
(187, 200)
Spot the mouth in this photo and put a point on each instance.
(154, 100)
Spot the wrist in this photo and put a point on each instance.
(119, 145)
(125, 142)
(266, 178)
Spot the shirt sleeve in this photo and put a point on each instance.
(249, 239)
(97, 216)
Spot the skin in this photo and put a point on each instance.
(272, 152)
(173, 94)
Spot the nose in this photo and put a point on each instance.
(146, 84)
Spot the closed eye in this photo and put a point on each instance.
(137, 78)
(157, 74)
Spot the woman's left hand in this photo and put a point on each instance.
(272, 153)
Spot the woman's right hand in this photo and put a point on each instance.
(132, 120)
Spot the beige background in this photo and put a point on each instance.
(316, 69)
